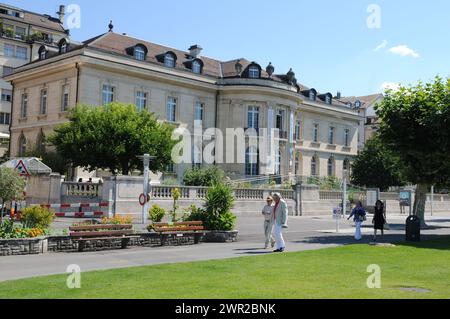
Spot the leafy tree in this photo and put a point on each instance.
(376, 167)
(415, 125)
(52, 159)
(112, 137)
(12, 186)
(203, 176)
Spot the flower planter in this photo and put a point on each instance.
(215, 236)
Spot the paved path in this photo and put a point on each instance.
(304, 233)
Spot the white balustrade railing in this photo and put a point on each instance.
(81, 189)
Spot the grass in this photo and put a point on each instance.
(328, 273)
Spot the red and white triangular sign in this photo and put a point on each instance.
(22, 169)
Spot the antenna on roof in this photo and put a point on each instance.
(111, 26)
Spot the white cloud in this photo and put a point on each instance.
(403, 50)
(389, 85)
(381, 46)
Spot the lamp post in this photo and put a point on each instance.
(344, 192)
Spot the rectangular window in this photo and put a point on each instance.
(22, 53)
(331, 136)
(6, 95)
(316, 133)
(43, 108)
(7, 118)
(253, 117)
(65, 98)
(20, 31)
(107, 94)
(2, 118)
(8, 50)
(141, 100)
(297, 130)
(171, 109)
(24, 106)
(280, 120)
(199, 109)
(347, 137)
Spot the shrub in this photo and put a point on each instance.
(216, 213)
(37, 217)
(9, 230)
(203, 177)
(156, 213)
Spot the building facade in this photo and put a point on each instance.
(317, 133)
(22, 33)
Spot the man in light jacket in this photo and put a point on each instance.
(280, 217)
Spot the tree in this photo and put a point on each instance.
(376, 167)
(415, 125)
(12, 186)
(112, 137)
(50, 158)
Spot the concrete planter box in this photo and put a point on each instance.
(214, 236)
(24, 246)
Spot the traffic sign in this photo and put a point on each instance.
(22, 169)
(144, 199)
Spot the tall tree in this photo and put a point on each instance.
(112, 137)
(377, 167)
(415, 124)
(12, 186)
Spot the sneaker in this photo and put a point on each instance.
(273, 244)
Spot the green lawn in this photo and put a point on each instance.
(328, 273)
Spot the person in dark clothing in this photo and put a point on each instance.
(379, 219)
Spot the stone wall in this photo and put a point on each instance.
(13, 247)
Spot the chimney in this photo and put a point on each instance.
(338, 95)
(195, 50)
(61, 13)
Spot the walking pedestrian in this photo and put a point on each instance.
(379, 219)
(359, 216)
(268, 222)
(279, 218)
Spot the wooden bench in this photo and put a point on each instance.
(180, 229)
(83, 234)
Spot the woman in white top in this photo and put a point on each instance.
(268, 222)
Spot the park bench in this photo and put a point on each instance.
(83, 234)
(180, 229)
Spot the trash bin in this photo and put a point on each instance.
(413, 228)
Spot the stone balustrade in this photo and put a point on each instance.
(81, 189)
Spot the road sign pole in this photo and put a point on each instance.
(146, 180)
(432, 199)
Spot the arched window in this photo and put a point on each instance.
(330, 167)
(40, 143)
(169, 60)
(196, 67)
(314, 171)
(22, 147)
(139, 53)
(253, 117)
(251, 161)
(278, 163)
(253, 72)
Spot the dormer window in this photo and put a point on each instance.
(63, 46)
(169, 60)
(312, 94)
(196, 67)
(253, 72)
(358, 104)
(328, 99)
(43, 53)
(139, 53)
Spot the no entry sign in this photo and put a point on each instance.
(144, 199)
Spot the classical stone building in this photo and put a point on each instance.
(365, 106)
(317, 133)
(22, 33)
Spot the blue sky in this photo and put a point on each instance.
(328, 43)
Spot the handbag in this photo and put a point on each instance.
(386, 226)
